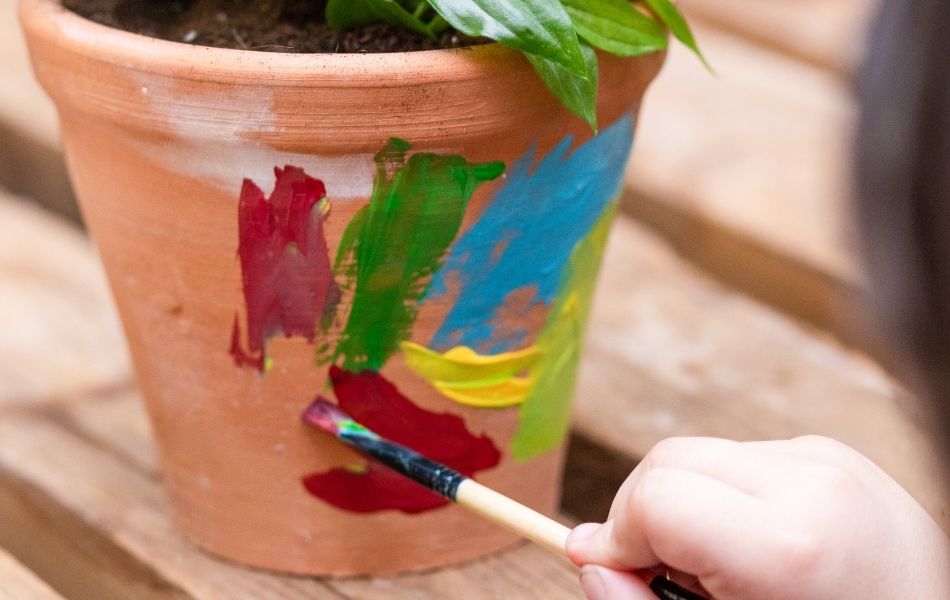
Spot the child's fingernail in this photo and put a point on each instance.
(577, 543)
(593, 584)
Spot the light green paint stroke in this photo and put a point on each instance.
(546, 413)
(393, 245)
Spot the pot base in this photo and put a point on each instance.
(505, 543)
(220, 524)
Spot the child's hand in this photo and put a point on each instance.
(806, 518)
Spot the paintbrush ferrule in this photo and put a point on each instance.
(435, 476)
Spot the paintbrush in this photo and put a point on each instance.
(442, 480)
(458, 488)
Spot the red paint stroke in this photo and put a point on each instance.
(376, 403)
(285, 262)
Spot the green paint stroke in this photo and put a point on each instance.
(546, 413)
(394, 244)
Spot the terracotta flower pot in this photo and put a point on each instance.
(415, 236)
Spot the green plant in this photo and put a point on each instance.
(557, 36)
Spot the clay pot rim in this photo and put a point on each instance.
(147, 54)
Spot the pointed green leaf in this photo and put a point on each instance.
(579, 94)
(616, 26)
(674, 19)
(539, 27)
(347, 14)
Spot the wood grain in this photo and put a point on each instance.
(31, 161)
(17, 583)
(748, 174)
(22, 103)
(60, 331)
(94, 527)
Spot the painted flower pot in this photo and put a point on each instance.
(414, 236)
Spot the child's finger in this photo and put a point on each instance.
(688, 521)
(816, 449)
(600, 583)
(739, 465)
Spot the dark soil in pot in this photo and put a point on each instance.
(265, 25)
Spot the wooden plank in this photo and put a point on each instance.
(18, 583)
(762, 147)
(829, 34)
(114, 420)
(95, 527)
(747, 174)
(31, 162)
(60, 330)
(671, 352)
(525, 572)
(23, 104)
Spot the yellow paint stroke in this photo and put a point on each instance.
(463, 375)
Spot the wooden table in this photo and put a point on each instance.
(670, 352)
(744, 174)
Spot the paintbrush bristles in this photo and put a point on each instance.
(325, 415)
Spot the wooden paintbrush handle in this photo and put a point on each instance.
(512, 515)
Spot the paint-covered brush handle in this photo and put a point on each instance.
(442, 480)
(512, 515)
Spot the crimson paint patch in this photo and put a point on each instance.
(285, 263)
(374, 402)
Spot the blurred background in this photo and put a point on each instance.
(727, 305)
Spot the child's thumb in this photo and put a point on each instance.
(592, 543)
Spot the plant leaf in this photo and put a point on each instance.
(347, 14)
(539, 27)
(674, 19)
(579, 94)
(616, 26)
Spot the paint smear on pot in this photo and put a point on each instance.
(392, 246)
(463, 375)
(525, 237)
(375, 403)
(285, 263)
(546, 413)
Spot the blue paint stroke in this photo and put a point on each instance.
(525, 236)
